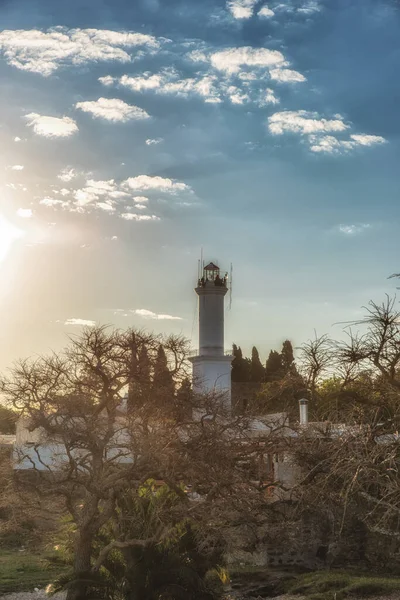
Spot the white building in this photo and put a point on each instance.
(211, 375)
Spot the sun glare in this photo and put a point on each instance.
(8, 234)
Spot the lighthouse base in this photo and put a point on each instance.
(212, 375)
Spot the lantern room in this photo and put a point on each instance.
(211, 276)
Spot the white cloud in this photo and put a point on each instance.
(329, 144)
(270, 97)
(363, 139)
(286, 76)
(51, 126)
(47, 201)
(266, 12)
(24, 213)
(203, 86)
(319, 131)
(236, 96)
(353, 229)
(241, 9)
(17, 139)
(217, 79)
(80, 322)
(84, 197)
(107, 80)
(112, 109)
(45, 52)
(309, 8)
(149, 314)
(152, 142)
(118, 194)
(67, 174)
(95, 190)
(136, 217)
(107, 206)
(232, 59)
(155, 183)
(17, 167)
(100, 188)
(119, 197)
(143, 82)
(303, 122)
(168, 82)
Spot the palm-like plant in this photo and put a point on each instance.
(170, 566)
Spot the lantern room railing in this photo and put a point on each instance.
(217, 281)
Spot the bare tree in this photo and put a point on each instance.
(352, 470)
(90, 451)
(73, 401)
(316, 359)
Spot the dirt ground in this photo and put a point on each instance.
(41, 595)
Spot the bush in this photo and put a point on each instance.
(368, 588)
(324, 585)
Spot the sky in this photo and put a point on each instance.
(135, 133)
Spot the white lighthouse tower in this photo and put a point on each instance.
(212, 367)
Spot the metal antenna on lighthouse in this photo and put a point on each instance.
(230, 287)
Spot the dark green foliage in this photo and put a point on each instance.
(241, 369)
(168, 568)
(163, 383)
(144, 365)
(184, 396)
(337, 585)
(140, 375)
(366, 588)
(287, 359)
(257, 371)
(273, 368)
(8, 419)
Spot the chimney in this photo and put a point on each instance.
(303, 404)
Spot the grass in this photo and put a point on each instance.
(23, 571)
(340, 585)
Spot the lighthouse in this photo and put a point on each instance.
(212, 366)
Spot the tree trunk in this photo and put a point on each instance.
(83, 553)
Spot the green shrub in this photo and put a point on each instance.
(334, 584)
(367, 588)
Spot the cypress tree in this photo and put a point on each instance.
(163, 383)
(287, 358)
(143, 366)
(240, 366)
(257, 371)
(184, 396)
(133, 390)
(273, 367)
(8, 419)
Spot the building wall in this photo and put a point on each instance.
(33, 450)
(24, 436)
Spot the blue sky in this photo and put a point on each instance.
(135, 133)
